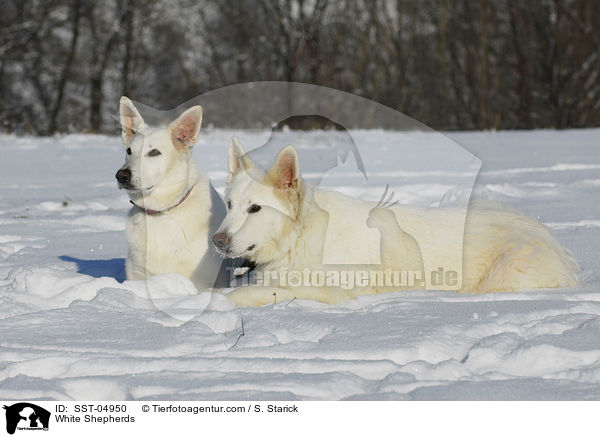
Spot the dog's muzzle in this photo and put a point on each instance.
(221, 241)
(124, 177)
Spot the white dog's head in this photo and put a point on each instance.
(262, 207)
(157, 159)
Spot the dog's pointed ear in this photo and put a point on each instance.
(131, 120)
(184, 130)
(236, 151)
(285, 172)
(238, 159)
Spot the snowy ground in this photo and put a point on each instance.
(70, 328)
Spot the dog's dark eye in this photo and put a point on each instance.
(229, 204)
(129, 150)
(154, 152)
(253, 208)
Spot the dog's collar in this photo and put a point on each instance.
(156, 212)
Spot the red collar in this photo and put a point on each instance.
(155, 212)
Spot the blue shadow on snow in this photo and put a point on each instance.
(98, 268)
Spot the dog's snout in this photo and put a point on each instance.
(124, 176)
(221, 240)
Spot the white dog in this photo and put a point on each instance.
(175, 209)
(275, 221)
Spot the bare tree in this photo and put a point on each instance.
(66, 70)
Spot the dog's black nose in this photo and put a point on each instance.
(221, 240)
(124, 176)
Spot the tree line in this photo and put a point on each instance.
(452, 64)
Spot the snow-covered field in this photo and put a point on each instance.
(70, 328)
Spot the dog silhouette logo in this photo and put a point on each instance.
(26, 416)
